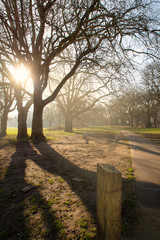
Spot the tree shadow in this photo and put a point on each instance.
(19, 208)
(56, 164)
(148, 194)
(16, 222)
(14, 202)
(134, 144)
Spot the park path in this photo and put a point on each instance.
(146, 164)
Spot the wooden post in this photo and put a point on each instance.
(109, 201)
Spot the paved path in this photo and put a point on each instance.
(146, 164)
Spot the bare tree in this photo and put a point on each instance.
(7, 98)
(96, 116)
(85, 89)
(151, 91)
(151, 79)
(36, 32)
(126, 108)
(51, 115)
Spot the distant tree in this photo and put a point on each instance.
(51, 115)
(36, 32)
(96, 116)
(6, 102)
(84, 90)
(151, 107)
(151, 79)
(151, 91)
(126, 107)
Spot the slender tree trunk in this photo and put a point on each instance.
(155, 121)
(4, 123)
(137, 122)
(22, 124)
(148, 120)
(131, 118)
(68, 123)
(148, 123)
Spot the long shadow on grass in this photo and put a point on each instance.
(19, 209)
(56, 164)
(134, 142)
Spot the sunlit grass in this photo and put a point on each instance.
(50, 134)
(54, 134)
(145, 130)
(97, 129)
(12, 131)
(10, 137)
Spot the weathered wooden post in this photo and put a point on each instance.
(109, 201)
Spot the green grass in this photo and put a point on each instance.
(50, 181)
(97, 128)
(145, 130)
(12, 131)
(50, 135)
(85, 231)
(83, 223)
(54, 134)
(10, 138)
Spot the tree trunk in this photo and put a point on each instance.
(148, 123)
(137, 122)
(37, 124)
(37, 121)
(22, 124)
(22, 115)
(155, 121)
(4, 123)
(131, 118)
(68, 123)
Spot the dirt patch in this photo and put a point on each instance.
(48, 190)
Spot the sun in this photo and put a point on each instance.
(21, 74)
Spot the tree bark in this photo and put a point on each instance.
(37, 121)
(4, 123)
(155, 121)
(22, 134)
(131, 118)
(68, 123)
(22, 124)
(148, 123)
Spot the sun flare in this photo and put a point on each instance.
(21, 74)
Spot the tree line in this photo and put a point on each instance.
(136, 105)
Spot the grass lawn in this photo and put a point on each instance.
(50, 134)
(57, 206)
(54, 134)
(145, 130)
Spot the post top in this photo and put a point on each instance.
(108, 168)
